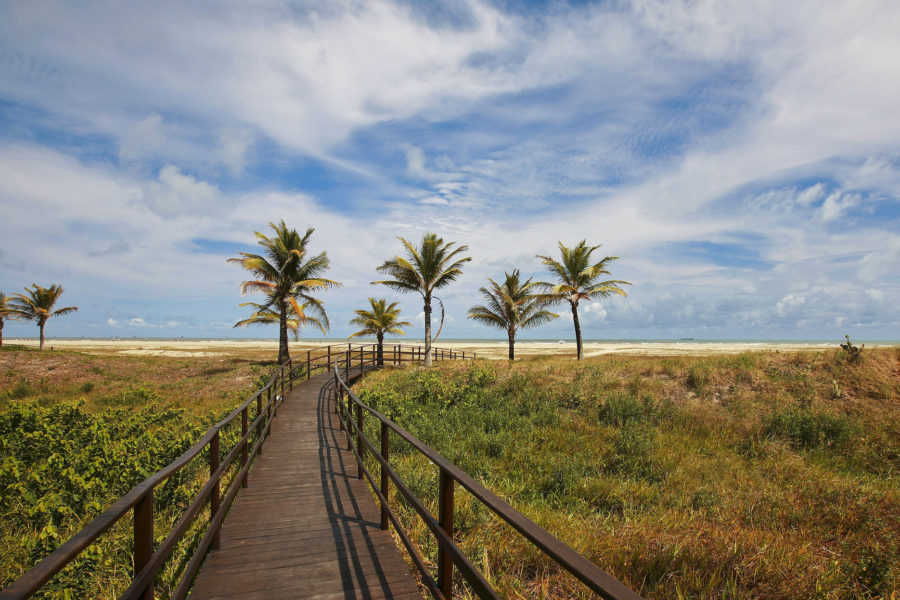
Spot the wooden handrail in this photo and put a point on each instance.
(449, 554)
(148, 562)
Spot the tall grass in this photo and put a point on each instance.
(77, 432)
(720, 477)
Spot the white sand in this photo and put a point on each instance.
(486, 349)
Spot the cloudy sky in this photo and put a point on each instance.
(742, 158)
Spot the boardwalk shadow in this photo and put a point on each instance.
(306, 527)
(363, 575)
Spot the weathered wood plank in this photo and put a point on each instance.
(306, 527)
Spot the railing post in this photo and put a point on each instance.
(359, 444)
(349, 422)
(281, 381)
(143, 538)
(329, 356)
(347, 367)
(337, 390)
(290, 374)
(215, 498)
(445, 518)
(308, 364)
(259, 423)
(244, 428)
(269, 411)
(385, 480)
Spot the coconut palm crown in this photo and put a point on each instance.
(36, 304)
(578, 278)
(382, 319)
(511, 306)
(432, 265)
(288, 275)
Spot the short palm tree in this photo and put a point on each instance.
(265, 315)
(512, 306)
(382, 319)
(288, 275)
(578, 279)
(5, 313)
(433, 265)
(37, 305)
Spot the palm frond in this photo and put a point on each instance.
(381, 319)
(512, 305)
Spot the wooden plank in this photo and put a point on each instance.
(305, 527)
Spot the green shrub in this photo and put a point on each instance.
(620, 409)
(23, 389)
(633, 449)
(698, 377)
(132, 397)
(61, 466)
(806, 429)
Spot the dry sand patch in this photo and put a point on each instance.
(267, 350)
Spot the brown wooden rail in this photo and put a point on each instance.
(149, 560)
(449, 554)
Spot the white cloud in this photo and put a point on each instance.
(875, 294)
(512, 174)
(837, 204)
(789, 303)
(883, 262)
(811, 194)
(593, 311)
(233, 146)
(142, 138)
(176, 194)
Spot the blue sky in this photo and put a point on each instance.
(746, 169)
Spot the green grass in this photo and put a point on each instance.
(740, 476)
(79, 431)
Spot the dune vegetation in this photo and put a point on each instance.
(758, 475)
(78, 431)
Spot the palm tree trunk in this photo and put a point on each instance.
(380, 358)
(512, 345)
(577, 331)
(427, 331)
(283, 354)
(41, 325)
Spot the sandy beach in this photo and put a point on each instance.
(259, 349)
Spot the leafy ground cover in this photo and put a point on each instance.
(759, 475)
(78, 431)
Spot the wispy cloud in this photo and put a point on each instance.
(737, 164)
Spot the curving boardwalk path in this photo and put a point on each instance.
(305, 527)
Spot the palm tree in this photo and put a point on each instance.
(431, 266)
(288, 275)
(5, 313)
(578, 280)
(512, 306)
(265, 315)
(37, 305)
(382, 319)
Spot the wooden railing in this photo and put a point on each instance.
(148, 561)
(346, 403)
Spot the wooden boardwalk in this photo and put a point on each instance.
(306, 527)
